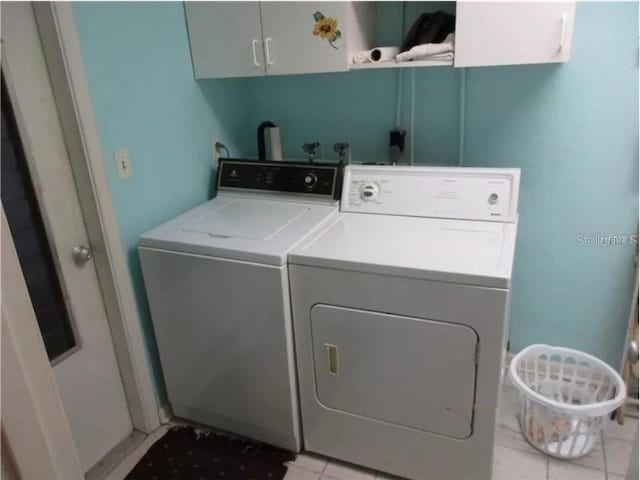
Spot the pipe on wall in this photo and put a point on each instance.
(462, 115)
(399, 99)
(399, 74)
(413, 114)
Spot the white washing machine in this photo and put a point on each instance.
(218, 288)
(400, 313)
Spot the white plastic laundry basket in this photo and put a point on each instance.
(565, 397)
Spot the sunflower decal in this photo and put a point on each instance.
(326, 28)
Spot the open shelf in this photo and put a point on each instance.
(393, 64)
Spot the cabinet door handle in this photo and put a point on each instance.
(268, 52)
(254, 42)
(563, 23)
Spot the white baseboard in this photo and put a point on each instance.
(504, 375)
(507, 359)
(165, 414)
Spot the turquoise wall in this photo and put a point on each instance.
(572, 128)
(359, 108)
(146, 100)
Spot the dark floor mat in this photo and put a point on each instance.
(185, 453)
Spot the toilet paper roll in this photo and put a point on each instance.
(383, 54)
(274, 143)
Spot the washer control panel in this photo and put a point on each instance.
(314, 179)
(440, 192)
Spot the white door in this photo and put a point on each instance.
(46, 223)
(510, 33)
(291, 42)
(226, 39)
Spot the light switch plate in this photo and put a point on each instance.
(122, 164)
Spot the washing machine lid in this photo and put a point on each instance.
(458, 251)
(248, 228)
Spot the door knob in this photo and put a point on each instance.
(81, 254)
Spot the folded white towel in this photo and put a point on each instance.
(428, 49)
(440, 57)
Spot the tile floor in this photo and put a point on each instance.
(515, 458)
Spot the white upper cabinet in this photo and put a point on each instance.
(242, 39)
(511, 33)
(239, 39)
(226, 39)
(312, 37)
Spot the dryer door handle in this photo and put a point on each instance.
(332, 358)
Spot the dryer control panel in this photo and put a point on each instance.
(320, 180)
(441, 192)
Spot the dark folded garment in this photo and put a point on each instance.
(429, 28)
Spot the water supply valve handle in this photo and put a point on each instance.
(341, 148)
(311, 150)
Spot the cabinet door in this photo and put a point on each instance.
(510, 33)
(226, 39)
(305, 37)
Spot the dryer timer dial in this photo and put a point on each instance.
(369, 191)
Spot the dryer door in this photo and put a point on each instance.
(402, 370)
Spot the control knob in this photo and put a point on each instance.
(369, 191)
(310, 180)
